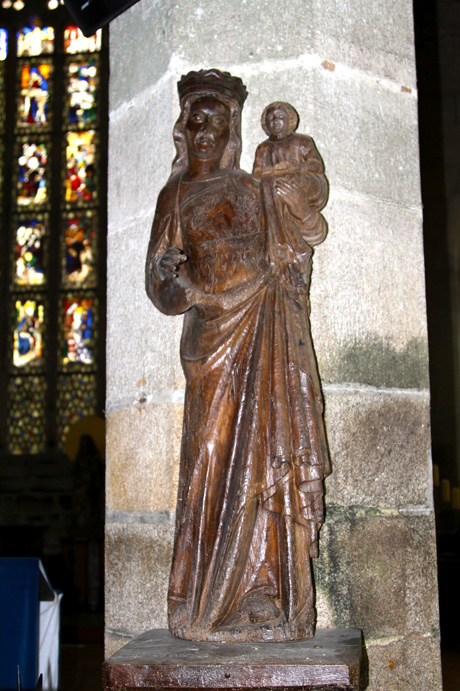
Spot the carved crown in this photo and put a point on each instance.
(212, 81)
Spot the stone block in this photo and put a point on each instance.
(380, 449)
(378, 572)
(373, 36)
(137, 565)
(368, 295)
(411, 663)
(143, 450)
(142, 343)
(367, 135)
(365, 131)
(141, 151)
(223, 34)
(140, 50)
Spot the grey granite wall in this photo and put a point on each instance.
(349, 70)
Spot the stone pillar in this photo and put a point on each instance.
(349, 70)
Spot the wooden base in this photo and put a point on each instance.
(157, 660)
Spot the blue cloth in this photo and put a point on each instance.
(22, 585)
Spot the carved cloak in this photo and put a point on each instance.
(254, 453)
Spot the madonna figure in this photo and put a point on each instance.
(253, 453)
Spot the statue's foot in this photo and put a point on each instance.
(257, 618)
(178, 619)
(305, 621)
(261, 608)
(255, 608)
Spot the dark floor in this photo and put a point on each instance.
(82, 651)
(451, 670)
(81, 666)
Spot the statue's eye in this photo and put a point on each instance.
(196, 117)
(218, 122)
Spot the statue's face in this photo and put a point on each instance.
(277, 120)
(208, 128)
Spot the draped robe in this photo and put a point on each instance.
(253, 452)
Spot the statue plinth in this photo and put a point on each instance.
(157, 660)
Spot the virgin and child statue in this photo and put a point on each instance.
(231, 251)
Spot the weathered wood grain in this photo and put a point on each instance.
(157, 660)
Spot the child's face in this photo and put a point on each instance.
(277, 121)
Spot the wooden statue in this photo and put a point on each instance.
(232, 252)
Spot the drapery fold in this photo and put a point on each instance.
(254, 452)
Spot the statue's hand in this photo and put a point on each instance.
(295, 199)
(169, 262)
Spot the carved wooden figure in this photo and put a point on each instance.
(232, 252)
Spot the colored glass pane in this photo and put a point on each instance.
(34, 95)
(3, 44)
(79, 249)
(76, 398)
(35, 40)
(28, 333)
(29, 264)
(76, 42)
(81, 101)
(26, 414)
(19, 5)
(32, 173)
(80, 167)
(78, 331)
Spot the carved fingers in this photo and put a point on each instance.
(169, 262)
(295, 199)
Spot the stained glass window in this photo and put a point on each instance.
(76, 42)
(28, 333)
(3, 44)
(78, 331)
(76, 398)
(3, 54)
(35, 40)
(81, 182)
(53, 154)
(34, 95)
(32, 172)
(29, 250)
(26, 415)
(79, 250)
(82, 84)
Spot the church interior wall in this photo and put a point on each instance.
(350, 73)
